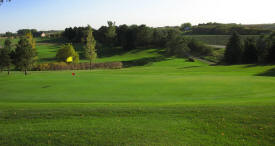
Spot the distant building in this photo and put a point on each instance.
(43, 35)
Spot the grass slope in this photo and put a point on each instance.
(165, 102)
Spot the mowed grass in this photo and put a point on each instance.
(170, 102)
(165, 101)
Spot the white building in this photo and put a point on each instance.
(43, 35)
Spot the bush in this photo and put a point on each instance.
(66, 51)
(191, 59)
(80, 66)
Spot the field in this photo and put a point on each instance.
(162, 101)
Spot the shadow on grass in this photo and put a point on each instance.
(270, 73)
(47, 59)
(143, 61)
(188, 67)
(52, 41)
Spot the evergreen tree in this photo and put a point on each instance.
(90, 43)
(24, 55)
(234, 49)
(250, 54)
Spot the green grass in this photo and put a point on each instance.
(170, 102)
(165, 101)
(47, 52)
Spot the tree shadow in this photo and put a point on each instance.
(48, 59)
(188, 67)
(109, 52)
(270, 73)
(255, 65)
(143, 61)
(52, 41)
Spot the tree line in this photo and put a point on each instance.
(250, 50)
(137, 37)
(226, 29)
(24, 56)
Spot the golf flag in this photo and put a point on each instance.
(69, 59)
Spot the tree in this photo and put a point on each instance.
(5, 59)
(8, 34)
(2, 1)
(30, 38)
(263, 46)
(197, 48)
(176, 44)
(250, 54)
(144, 35)
(110, 34)
(67, 51)
(234, 49)
(159, 37)
(186, 26)
(90, 43)
(271, 52)
(24, 55)
(122, 31)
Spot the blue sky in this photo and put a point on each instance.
(59, 14)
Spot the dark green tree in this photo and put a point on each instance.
(250, 54)
(234, 49)
(186, 26)
(271, 52)
(110, 33)
(176, 44)
(24, 55)
(5, 58)
(144, 36)
(263, 46)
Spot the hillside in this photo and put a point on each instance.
(263, 26)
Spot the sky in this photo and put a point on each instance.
(59, 14)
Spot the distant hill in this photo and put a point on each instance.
(262, 26)
(228, 29)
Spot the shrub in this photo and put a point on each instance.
(80, 66)
(191, 59)
(66, 51)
